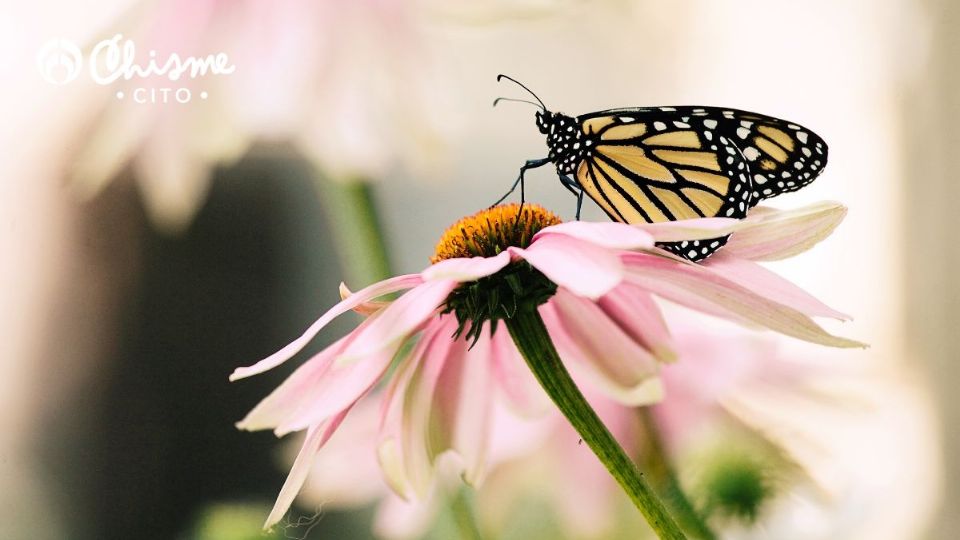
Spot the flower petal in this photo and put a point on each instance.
(366, 308)
(298, 389)
(769, 285)
(417, 444)
(365, 295)
(400, 319)
(607, 234)
(462, 407)
(699, 288)
(524, 394)
(637, 314)
(583, 268)
(689, 229)
(464, 269)
(600, 350)
(341, 386)
(768, 234)
(316, 437)
(405, 463)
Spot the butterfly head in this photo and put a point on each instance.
(544, 120)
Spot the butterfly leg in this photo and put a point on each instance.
(572, 186)
(530, 164)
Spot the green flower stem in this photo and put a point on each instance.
(356, 230)
(531, 337)
(665, 479)
(462, 510)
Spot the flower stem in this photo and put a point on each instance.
(531, 337)
(462, 511)
(356, 229)
(665, 478)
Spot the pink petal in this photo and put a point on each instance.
(401, 451)
(366, 308)
(524, 394)
(600, 350)
(583, 268)
(607, 234)
(769, 285)
(287, 398)
(298, 390)
(397, 518)
(419, 450)
(768, 234)
(689, 229)
(373, 291)
(341, 386)
(462, 407)
(399, 320)
(703, 290)
(463, 269)
(316, 437)
(637, 314)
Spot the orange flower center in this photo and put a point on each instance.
(490, 231)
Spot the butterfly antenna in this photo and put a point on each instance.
(521, 85)
(499, 99)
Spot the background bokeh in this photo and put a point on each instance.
(147, 249)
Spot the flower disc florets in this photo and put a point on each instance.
(518, 286)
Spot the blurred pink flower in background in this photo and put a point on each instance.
(730, 390)
(348, 85)
(600, 279)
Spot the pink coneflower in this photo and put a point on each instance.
(585, 288)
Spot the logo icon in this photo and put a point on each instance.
(60, 61)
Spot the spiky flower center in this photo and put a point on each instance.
(490, 231)
(518, 286)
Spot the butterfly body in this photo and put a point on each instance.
(653, 164)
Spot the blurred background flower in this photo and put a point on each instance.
(116, 416)
(767, 444)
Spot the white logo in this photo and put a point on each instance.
(60, 61)
(115, 59)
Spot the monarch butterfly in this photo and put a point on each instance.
(652, 164)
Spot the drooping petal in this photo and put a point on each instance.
(399, 519)
(462, 406)
(582, 267)
(607, 234)
(401, 449)
(399, 320)
(395, 284)
(342, 385)
(463, 269)
(366, 308)
(298, 389)
(768, 234)
(699, 288)
(316, 437)
(637, 314)
(419, 450)
(523, 393)
(769, 285)
(597, 348)
(689, 229)
(359, 364)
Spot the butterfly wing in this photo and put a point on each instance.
(649, 165)
(783, 156)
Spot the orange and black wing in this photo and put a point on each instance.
(641, 168)
(783, 156)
